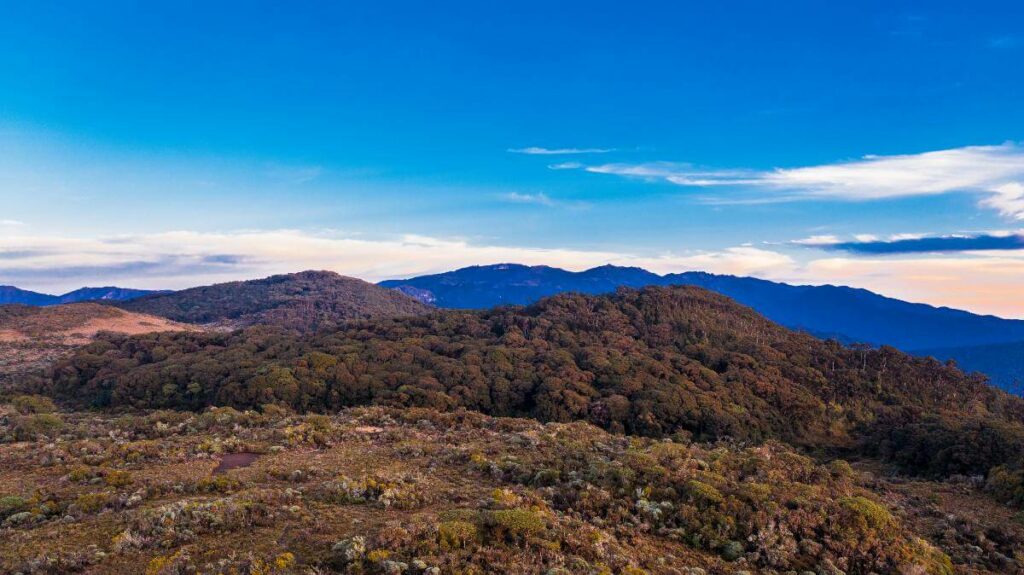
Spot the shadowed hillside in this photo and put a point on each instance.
(301, 301)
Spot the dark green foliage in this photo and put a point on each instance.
(654, 362)
(301, 301)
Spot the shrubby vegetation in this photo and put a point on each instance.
(679, 361)
(413, 491)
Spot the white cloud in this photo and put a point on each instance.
(981, 282)
(996, 172)
(905, 236)
(538, 151)
(11, 223)
(822, 240)
(183, 258)
(518, 198)
(565, 166)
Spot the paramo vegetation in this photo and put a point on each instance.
(657, 362)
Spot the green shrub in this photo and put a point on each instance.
(92, 502)
(1006, 484)
(864, 514)
(11, 504)
(455, 534)
(732, 551)
(515, 524)
(118, 479)
(29, 404)
(29, 427)
(704, 493)
(841, 469)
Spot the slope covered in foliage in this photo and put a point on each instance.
(654, 362)
(302, 301)
(385, 491)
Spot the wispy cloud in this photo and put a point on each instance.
(995, 172)
(184, 258)
(816, 241)
(1003, 42)
(293, 175)
(565, 166)
(518, 198)
(954, 243)
(11, 223)
(988, 282)
(538, 151)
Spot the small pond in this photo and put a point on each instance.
(235, 460)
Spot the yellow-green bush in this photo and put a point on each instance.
(29, 404)
(515, 524)
(455, 534)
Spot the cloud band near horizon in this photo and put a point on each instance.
(947, 244)
(982, 283)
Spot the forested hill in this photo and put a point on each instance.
(658, 361)
(302, 301)
(848, 314)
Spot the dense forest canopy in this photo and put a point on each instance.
(653, 362)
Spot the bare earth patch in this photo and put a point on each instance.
(32, 338)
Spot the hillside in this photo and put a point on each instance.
(302, 301)
(654, 362)
(33, 337)
(13, 295)
(849, 314)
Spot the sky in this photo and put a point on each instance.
(171, 144)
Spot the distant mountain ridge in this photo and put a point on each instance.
(1003, 363)
(847, 314)
(13, 295)
(301, 301)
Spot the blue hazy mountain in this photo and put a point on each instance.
(11, 294)
(848, 314)
(1003, 363)
(109, 293)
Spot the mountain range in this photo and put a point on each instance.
(991, 345)
(848, 314)
(13, 295)
(983, 343)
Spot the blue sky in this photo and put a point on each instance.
(176, 144)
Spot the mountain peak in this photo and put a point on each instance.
(301, 301)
